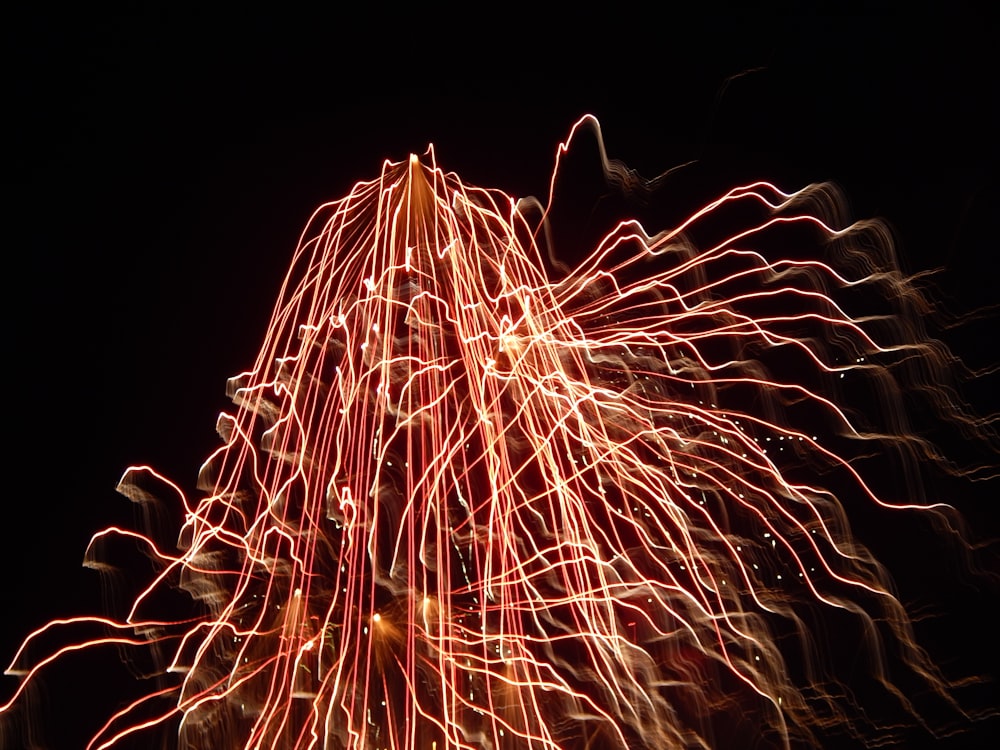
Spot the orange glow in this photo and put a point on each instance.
(465, 500)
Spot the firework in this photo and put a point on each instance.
(471, 499)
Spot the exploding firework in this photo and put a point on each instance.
(472, 498)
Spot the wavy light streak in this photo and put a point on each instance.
(467, 500)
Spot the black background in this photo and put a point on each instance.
(159, 168)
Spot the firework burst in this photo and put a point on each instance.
(471, 499)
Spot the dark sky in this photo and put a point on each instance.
(159, 169)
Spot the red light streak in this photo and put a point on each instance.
(466, 502)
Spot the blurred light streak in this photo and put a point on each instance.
(470, 500)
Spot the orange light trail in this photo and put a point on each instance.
(469, 501)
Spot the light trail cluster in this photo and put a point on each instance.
(467, 502)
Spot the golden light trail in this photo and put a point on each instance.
(468, 500)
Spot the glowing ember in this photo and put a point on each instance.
(469, 500)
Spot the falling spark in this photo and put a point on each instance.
(470, 500)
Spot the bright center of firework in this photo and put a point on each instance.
(467, 502)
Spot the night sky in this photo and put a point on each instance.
(159, 169)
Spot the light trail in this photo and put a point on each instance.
(465, 501)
